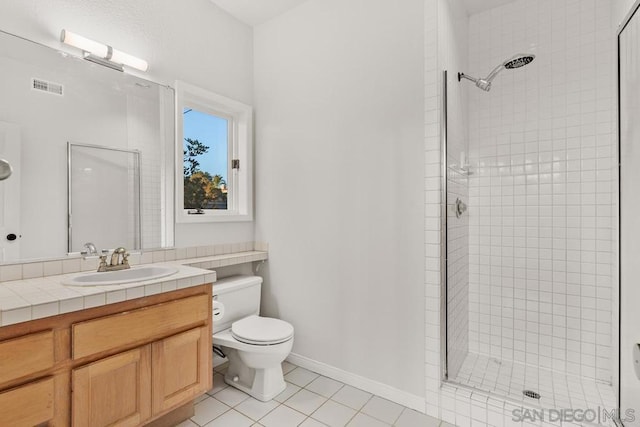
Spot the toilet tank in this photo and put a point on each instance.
(240, 296)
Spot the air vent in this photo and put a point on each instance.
(45, 86)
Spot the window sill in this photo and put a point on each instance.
(218, 217)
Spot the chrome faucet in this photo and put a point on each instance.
(90, 249)
(115, 264)
(115, 256)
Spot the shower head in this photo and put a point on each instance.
(517, 61)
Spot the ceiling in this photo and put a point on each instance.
(255, 12)
(477, 6)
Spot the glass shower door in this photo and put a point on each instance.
(629, 152)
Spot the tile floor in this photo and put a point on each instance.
(310, 400)
(557, 390)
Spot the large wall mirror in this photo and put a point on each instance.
(52, 103)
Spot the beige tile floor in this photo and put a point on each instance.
(310, 400)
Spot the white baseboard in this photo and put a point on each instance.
(379, 389)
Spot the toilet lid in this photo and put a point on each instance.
(261, 330)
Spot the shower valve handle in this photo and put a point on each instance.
(460, 208)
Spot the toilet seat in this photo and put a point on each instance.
(258, 330)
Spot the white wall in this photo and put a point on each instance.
(192, 41)
(340, 183)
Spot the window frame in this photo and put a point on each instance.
(240, 147)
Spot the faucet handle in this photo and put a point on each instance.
(103, 263)
(125, 258)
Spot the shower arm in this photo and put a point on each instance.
(464, 76)
(492, 75)
(517, 61)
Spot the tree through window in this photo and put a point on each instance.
(214, 173)
(206, 161)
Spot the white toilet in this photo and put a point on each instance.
(254, 345)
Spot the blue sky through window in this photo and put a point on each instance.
(212, 131)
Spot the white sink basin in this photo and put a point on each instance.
(134, 274)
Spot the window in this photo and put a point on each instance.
(213, 173)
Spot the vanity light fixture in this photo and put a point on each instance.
(101, 53)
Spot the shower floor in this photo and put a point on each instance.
(557, 390)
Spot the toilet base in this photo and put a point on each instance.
(262, 384)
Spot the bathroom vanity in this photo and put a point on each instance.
(134, 362)
(127, 363)
(129, 354)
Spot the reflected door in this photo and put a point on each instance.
(629, 149)
(104, 197)
(10, 194)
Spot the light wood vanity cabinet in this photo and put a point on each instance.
(124, 364)
(28, 405)
(177, 368)
(113, 391)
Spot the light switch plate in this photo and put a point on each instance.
(636, 359)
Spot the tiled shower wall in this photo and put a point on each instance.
(433, 207)
(445, 48)
(146, 132)
(457, 272)
(541, 202)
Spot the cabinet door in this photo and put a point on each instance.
(26, 355)
(28, 405)
(115, 391)
(181, 368)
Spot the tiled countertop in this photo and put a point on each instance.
(29, 299)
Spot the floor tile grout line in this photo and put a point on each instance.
(337, 403)
(326, 399)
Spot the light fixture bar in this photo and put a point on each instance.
(101, 61)
(101, 53)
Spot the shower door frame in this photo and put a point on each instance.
(444, 356)
(138, 189)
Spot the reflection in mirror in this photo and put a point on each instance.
(100, 213)
(51, 98)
